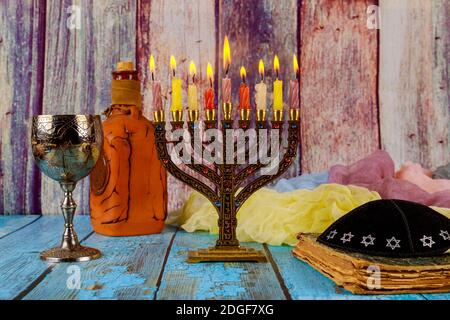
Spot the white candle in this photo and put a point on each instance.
(260, 96)
(261, 90)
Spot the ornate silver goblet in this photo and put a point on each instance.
(66, 148)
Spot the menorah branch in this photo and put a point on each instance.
(250, 169)
(288, 157)
(201, 169)
(164, 157)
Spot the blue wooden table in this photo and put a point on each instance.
(151, 267)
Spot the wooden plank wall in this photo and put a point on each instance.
(414, 80)
(186, 30)
(22, 29)
(78, 66)
(360, 88)
(338, 83)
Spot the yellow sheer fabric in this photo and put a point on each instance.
(275, 218)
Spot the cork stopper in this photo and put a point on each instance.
(125, 66)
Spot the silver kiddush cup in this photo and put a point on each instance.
(66, 148)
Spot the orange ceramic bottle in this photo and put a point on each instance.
(128, 193)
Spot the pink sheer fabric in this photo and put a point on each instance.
(415, 173)
(377, 173)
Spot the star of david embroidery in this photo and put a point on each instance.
(427, 241)
(445, 235)
(347, 237)
(393, 243)
(368, 240)
(331, 235)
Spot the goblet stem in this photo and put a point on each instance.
(70, 249)
(68, 207)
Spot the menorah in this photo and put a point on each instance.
(232, 186)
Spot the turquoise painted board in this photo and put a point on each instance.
(305, 283)
(129, 269)
(134, 268)
(9, 224)
(437, 296)
(20, 264)
(203, 281)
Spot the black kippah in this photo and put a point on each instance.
(391, 228)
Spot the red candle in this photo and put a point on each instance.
(209, 98)
(209, 93)
(244, 97)
(244, 92)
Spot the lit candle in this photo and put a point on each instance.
(244, 91)
(209, 93)
(156, 87)
(277, 87)
(294, 99)
(177, 100)
(226, 82)
(192, 88)
(261, 89)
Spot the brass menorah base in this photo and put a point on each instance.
(226, 254)
(231, 183)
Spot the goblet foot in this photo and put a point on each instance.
(77, 254)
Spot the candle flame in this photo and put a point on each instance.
(295, 62)
(243, 73)
(261, 68)
(226, 54)
(276, 64)
(192, 69)
(152, 63)
(210, 73)
(173, 63)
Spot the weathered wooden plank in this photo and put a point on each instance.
(305, 283)
(414, 85)
(129, 269)
(203, 281)
(338, 83)
(185, 29)
(78, 66)
(259, 30)
(10, 224)
(20, 264)
(22, 39)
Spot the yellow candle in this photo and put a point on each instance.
(192, 97)
(192, 88)
(277, 87)
(177, 99)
